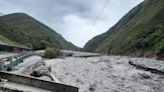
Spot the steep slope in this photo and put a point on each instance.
(140, 32)
(22, 29)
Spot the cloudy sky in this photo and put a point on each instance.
(75, 20)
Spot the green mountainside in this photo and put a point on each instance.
(139, 33)
(20, 29)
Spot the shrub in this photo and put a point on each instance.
(51, 53)
(159, 48)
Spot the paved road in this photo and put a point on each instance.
(80, 54)
(7, 55)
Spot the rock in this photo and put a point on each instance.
(92, 87)
(41, 70)
(144, 76)
(35, 74)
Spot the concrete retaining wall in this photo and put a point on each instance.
(38, 83)
(3, 89)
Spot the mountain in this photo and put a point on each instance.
(1, 14)
(139, 33)
(20, 29)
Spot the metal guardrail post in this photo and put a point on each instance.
(1, 63)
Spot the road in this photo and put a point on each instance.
(30, 61)
(80, 54)
(3, 55)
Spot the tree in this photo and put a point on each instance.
(51, 53)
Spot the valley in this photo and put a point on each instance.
(128, 57)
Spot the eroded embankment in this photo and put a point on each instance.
(152, 65)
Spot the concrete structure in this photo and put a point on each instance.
(4, 89)
(33, 82)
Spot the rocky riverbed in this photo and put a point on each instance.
(98, 73)
(105, 74)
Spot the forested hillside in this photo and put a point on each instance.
(139, 33)
(21, 29)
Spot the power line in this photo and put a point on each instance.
(102, 10)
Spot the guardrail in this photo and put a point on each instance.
(8, 63)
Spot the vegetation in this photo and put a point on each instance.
(21, 29)
(150, 39)
(51, 53)
(142, 29)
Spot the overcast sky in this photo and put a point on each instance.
(73, 19)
